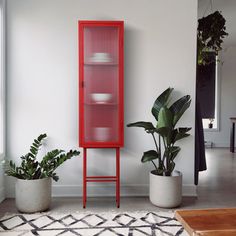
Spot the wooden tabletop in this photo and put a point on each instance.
(208, 222)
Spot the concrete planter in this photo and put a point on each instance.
(33, 195)
(166, 191)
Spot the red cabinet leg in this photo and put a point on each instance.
(115, 178)
(118, 177)
(84, 177)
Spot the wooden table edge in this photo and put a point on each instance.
(228, 232)
(195, 232)
(178, 217)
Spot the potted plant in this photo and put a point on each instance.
(165, 183)
(33, 178)
(210, 35)
(210, 124)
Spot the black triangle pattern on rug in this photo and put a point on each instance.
(102, 224)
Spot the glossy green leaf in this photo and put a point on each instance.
(161, 101)
(149, 156)
(159, 171)
(179, 107)
(163, 131)
(174, 152)
(148, 126)
(165, 118)
(180, 133)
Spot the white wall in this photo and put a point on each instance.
(2, 97)
(2, 189)
(160, 37)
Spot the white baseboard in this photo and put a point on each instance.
(221, 145)
(217, 145)
(189, 190)
(109, 190)
(2, 194)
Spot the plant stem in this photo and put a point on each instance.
(165, 149)
(157, 152)
(158, 149)
(154, 165)
(164, 157)
(155, 142)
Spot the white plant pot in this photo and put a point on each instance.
(33, 195)
(166, 191)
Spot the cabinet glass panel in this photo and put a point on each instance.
(101, 84)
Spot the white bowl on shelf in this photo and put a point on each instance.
(100, 57)
(101, 134)
(101, 97)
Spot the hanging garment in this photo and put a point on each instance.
(200, 157)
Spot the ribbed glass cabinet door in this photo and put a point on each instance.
(102, 88)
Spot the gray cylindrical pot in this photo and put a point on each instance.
(166, 191)
(33, 195)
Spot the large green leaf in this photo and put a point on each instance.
(148, 126)
(183, 129)
(163, 131)
(161, 101)
(179, 133)
(150, 155)
(53, 159)
(165, 118)
(173, 151)
(35, 146)
(166, 133)
(179, 107)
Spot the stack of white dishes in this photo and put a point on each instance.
(101, 57)
(102, 134)
(101, 97)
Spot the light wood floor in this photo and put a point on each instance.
(217, 188)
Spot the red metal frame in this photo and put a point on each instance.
(101, 179)
(120, 103)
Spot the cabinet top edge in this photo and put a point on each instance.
(100, 22)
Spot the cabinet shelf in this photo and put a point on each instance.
(101, 103)
(100, 64)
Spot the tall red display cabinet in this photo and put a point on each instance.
(101, 103)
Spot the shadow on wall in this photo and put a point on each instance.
(132, 87)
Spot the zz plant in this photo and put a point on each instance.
(30, 168)
(166, 116)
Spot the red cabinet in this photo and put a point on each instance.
(101, 103)
(101, 83)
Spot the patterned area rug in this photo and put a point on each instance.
(90, 224)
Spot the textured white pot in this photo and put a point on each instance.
(166, 191)
(33, 195)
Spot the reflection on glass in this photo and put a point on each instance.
(101, 87)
